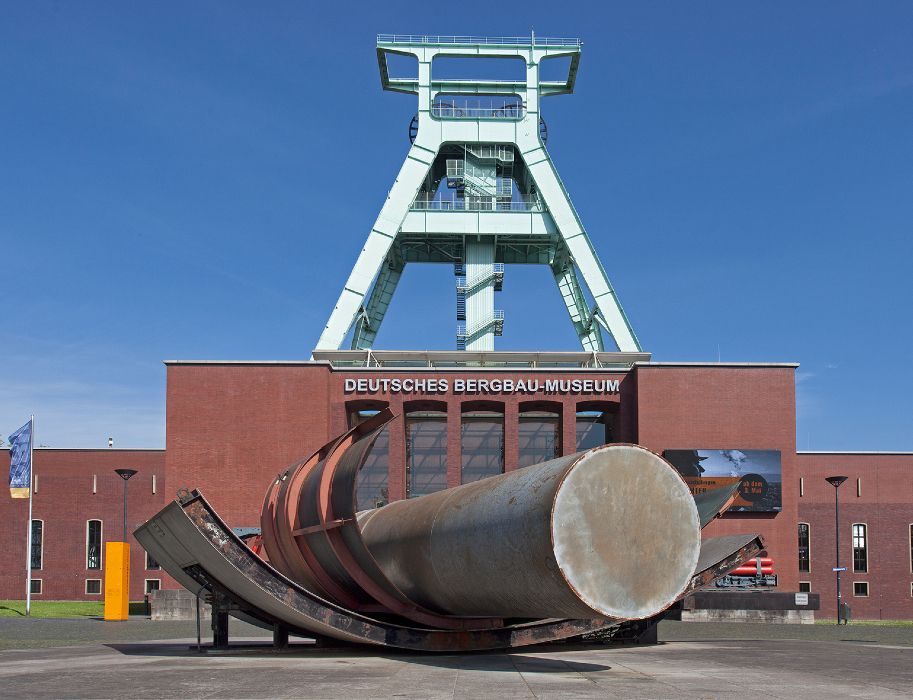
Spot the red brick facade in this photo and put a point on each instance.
(64, 501)
(232, 426)
(878, 494)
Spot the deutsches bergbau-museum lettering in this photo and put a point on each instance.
(412, 385)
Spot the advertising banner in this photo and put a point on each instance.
(756, 471)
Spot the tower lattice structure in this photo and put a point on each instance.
(478, 191)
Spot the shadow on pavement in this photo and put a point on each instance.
(474, 661)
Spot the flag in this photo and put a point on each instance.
(21, 461)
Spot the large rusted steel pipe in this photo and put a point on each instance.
(613, 532)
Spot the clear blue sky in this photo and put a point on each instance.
(195, 180)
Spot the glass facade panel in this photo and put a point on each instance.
(371, 485)
(591, 430)
(482, 443)
(37, 544)
(804, 554)
(426, 453)
(539, 439)
(860, 549)
(93, 544)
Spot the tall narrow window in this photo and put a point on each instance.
(151, 563)
(804, 552)
(37, 555)
(539, 439)
(371, 486)
(93, 544)
(426, 452)
(594, 427)
(860, 549)
(482, 442)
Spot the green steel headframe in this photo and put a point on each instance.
(478, 190)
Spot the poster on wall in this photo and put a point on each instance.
(756, 471)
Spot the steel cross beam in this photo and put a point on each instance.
(547, 220)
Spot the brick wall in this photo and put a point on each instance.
(728, 407)
(64, 501)
(878, 493)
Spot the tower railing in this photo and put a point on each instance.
(449, 111)
(471, 40)
(492, 203)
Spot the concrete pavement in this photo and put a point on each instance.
(734, 663)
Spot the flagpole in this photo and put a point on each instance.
(28, 540)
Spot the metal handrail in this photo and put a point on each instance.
(471, 204)
(483, 40)
(454, 112)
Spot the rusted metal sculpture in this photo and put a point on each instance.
(570, 546)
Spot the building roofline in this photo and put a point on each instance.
(94, 449)
(853, 452)
(750, 365)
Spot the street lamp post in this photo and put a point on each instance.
(836, 481)
(125, 474)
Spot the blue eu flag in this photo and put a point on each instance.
(21, 461)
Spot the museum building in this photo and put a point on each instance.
(232, 426)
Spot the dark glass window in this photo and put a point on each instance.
(860, 549)
(805, 587)
(592, 430)
(93, 586)
(371, 486)
(37, 544)
(482, 443)
(35, 586)
(539, 439)
(804, 554)
(93, 544)
(426, 453)
(151, 563)
(861, 589)
(153, 584)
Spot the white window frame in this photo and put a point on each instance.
(809, 583)
(147, 563)
(146, 590)
(910, 548)
(40, 549)
(101, 545)
(809, 526)
(40, 586)
(866, 584)
(101, 588)
(853, 547)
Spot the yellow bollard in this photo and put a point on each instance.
(117, 580)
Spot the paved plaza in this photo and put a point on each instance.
(143, 659)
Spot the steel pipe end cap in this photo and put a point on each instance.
(626, 532)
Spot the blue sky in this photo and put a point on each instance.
(195, 180)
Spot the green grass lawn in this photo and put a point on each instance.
(62, 608)
(868, 623)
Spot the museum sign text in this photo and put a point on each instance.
(495, 385)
